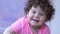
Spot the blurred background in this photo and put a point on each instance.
(11, 10)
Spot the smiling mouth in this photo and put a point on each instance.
(35, 20)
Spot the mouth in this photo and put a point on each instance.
(36, 20)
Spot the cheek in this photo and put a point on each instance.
(30, 16)
(42, 19)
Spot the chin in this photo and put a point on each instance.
(35, 25)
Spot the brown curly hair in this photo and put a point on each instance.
(43, 4)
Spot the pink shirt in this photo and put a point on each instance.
(21, 26)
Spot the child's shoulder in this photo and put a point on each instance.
(46, 28)
(17, 25)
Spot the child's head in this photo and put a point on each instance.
(39, 11)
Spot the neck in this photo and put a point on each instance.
(35, 28)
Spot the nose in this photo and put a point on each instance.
(36, 15)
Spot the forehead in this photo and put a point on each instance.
(37, 9)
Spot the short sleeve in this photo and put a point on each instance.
(16, 26)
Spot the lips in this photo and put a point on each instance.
(35, 20)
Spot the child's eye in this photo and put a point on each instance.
(41, 14)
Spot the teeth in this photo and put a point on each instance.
(35, 20)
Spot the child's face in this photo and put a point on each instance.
(36, 17)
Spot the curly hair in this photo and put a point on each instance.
(43, 4)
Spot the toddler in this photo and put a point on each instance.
(38, 12)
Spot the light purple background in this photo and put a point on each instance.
(10, 11)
